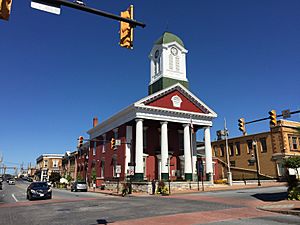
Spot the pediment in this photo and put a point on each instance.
(178, 98)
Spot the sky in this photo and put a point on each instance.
(58, 72)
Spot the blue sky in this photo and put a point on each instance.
(58, 72)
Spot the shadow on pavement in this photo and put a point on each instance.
(101, 221)
(271, 197)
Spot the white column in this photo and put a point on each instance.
(187, 150)
(208, 153)
(128, 147)
(194, 156)
(164, 148)
(139, 147)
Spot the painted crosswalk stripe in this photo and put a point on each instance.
(14, 197)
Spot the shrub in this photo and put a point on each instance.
(294, 193)
(223, 181)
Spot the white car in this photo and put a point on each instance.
(11, 182)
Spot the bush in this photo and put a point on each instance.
(294, 193)
(162, 188)
(223, 181)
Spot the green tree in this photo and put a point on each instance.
(54, 177)
(293, 163)
(293, 183)
(94, 175)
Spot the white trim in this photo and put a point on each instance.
(179, 87)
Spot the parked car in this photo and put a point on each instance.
(38, 190)
(79, 186)
(11, 182)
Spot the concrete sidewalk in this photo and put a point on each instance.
(284, 207)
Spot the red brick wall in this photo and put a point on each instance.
(166, 102)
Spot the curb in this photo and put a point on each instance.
(283, 209)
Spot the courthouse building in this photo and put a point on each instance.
(158, 132)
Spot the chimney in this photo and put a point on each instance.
(95, 121)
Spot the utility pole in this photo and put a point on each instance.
(254, 143)
(229, 175)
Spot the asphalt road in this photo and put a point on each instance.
(226, 207)
(17, 193)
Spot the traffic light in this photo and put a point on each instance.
(126, 29)
(242, 125)
(113, 144)
(5, 6)
(272, 117)
(80, 142)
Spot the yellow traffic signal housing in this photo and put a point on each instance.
(273, 120)
(113, 144)
(242, 125)
(5, 7)
(80, 142)
(126, 29)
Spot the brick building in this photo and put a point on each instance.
(282, 141)
(158, 132)
(46, 164)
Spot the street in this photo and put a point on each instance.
(221, 207)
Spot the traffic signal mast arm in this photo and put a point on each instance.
(94, 11)
(267, 118)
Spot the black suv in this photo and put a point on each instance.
(38, 190)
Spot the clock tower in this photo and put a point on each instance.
(168, 64)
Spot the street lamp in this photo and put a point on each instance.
(224, 133)
(254, 143)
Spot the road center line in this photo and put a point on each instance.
(14, 197)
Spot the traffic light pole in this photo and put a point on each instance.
(94, 11)
(267, 118)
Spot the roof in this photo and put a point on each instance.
(168, 37)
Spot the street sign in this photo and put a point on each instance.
(286, 114)
(118, 168)
(130, 170)
(46, 6)
(118, 142)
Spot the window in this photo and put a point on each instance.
(102, 168)
(231, 151)
(249, 145)
(294, 143)
(177, 63)
(114, 167)
(222, 150)
(237, 148)
(103, 143)
(263, 143)
(94, 148)
(46, 163)
(171, 62)
(232, 163)
(55, 163)
(216, 151)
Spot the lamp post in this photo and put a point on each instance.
(254, 143)
(224, 133)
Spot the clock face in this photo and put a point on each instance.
(174, 51)
(156, 54)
